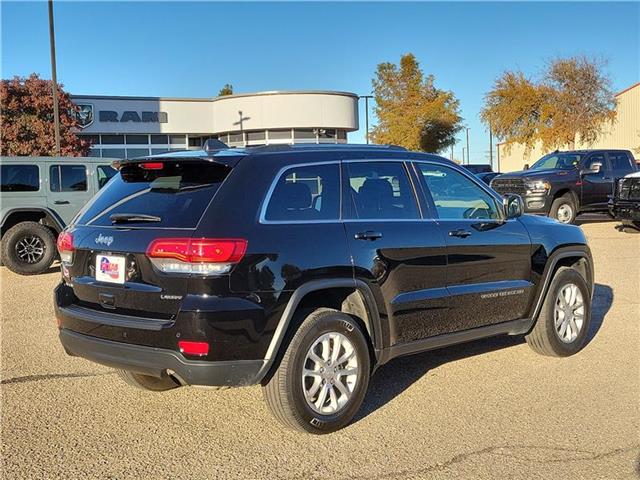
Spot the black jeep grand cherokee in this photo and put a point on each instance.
(303, 268)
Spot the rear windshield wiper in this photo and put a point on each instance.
(133, 218)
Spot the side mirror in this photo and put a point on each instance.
(513, 206)
(526, 166)
(595, 169)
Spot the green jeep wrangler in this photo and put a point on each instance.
(38, 197)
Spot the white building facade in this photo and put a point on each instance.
(128, 127)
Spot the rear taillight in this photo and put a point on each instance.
(203, 256)
(65, 247)
(152, 165)
(194, 349)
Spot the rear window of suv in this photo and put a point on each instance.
(177, 194)
(19, 178)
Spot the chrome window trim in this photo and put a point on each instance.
(272, 187)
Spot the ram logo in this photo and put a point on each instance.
(84, 114)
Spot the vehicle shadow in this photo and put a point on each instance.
(594, 218)
(399, 374)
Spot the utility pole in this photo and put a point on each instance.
(490, 146)
(451, 158)
(366, 115)
(54, 78)
(467, 129)
(463, 149)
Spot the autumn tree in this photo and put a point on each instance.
(411, 110)
(573, 99)
(226, 90)
(26, 116)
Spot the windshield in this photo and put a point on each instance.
(562, 161)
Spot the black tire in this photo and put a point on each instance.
(544, 338)
(561, 206)
(22, 232)
(284, 393)
(147, 382)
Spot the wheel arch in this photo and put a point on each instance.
(563, 191)
(42, 215)
(350, 296)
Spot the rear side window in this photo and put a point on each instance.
(306, 193)
(104, 173)
(178, 194)
(620, 161)
(379, 190)
(68, 178)
(19, 178)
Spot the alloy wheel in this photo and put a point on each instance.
(569, 313)
(330, 373)
(30, 249)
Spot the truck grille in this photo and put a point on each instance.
(508, 185)
(629, 189)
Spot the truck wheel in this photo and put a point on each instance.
(323, 376)
(563, 324)
(28, 248)
(563, 209)
(147, 382)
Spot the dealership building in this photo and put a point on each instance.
(128, 127)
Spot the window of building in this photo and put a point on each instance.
(326, 133)
(112, 139)
(158, 151)
(304, 134)
(113, 153)
(68, 178)
(95, 152)
(236, 138)
(455, 196)
(307, 193)
(137, 152)
(342, 134)
(177, 139)
(280, 134)
(256, 136)
(137, 139)
(195, 141)
(159, 139)
(94, 139)
(223, 137)
(379, 190)
(19, 178)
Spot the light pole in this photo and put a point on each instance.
(490, 146)
(467, 129)
(463, 149)
(366, 115)
(54, 78)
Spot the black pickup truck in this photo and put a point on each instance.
(562, 185)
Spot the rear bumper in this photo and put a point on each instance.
(625, 210)
(158, 362)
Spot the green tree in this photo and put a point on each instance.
(27, 119)
(226, 90)
(572, 100)
(411, 110)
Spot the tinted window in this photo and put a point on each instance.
(306, 194)
(159, 139)
(596, 158)
(562, 161)
(455, 196)
(112, 139)
(68, 178)
(113, 153)
(137, 139)
(104, 173)
(19, 178)
(179, 193)
(137, 152)
(619, 161)
(177, 139)
(379, 190)
(279, 134)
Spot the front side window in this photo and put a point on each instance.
(379, 190)
(68, 178)
(19, 178)
(595, 159)
(306, 193)
(455, 196)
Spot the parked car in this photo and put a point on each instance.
(624, 205)
(38, 197)
(304, 268)
(565, 184)
(478, 168)
(486, 177)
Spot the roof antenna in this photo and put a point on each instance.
(213, 144)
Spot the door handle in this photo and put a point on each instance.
(368, 235)
(61, 202)
(460, 233)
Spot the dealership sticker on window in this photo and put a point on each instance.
(110, 268)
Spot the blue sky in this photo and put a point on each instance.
(192, 49)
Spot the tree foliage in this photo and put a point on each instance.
(226, 90)
(572, 100)
(28, 123)
(411, 110)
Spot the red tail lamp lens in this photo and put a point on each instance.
(152, 165)
(65, 242)
(195, 349)
(199, 250)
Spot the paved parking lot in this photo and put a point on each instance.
(490, 409)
